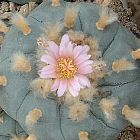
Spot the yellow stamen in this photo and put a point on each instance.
(66, 68)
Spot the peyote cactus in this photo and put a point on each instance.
(97, 111)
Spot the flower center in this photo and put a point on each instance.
(66, 68)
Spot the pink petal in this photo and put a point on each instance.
(83, 80)
(48, 69)
(85, 63)
(75, 84)
(86, 48)
(70, 49)
(85, 70)
(77, 50)
(64, 45)
(62, 88)
(55, 85)
(63, 51)
(65, 40)
(72, 91)
(80, 50)
(48, 59)
(53, 49)
(47, 72)
(44, 75)
(81, 58)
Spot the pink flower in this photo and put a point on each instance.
(68, 65)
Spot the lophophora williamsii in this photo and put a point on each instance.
(70, 66)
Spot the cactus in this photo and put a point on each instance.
(100, 107)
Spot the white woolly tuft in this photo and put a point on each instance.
(20, 63)
(78, 111)
(1, 119)
(106, 2)
(99, 1)
(31, 137)
(3, 27)
(132, 115)
(122, 65)
(107, 17)
(55, 3)
(70, 100)
(14, 137)
(108, 108)
(103, 2)
(136, 54)
(86, 94)
(20, 22)
(3, 80)
(70, 16)
(42, 87)
(112, 17)
(33, 116)
(104, 11)
(52, 31)
(83, 135)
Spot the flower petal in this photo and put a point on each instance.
(77, 51)
(86, 48)
(62, 88)
(63, 51)
(64, 45)
(44, 75)
(70, 49)
(48, 59)
(53, 49)
(81, 58)
(83, 80)
(72, 91)
(85, 70)
(65, 40)
(55, 85)
(75, 84)
(47, 72)
(48, 69)
(80, 50)
(86, 63)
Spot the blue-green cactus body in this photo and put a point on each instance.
(9, 127)
(17, 98)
